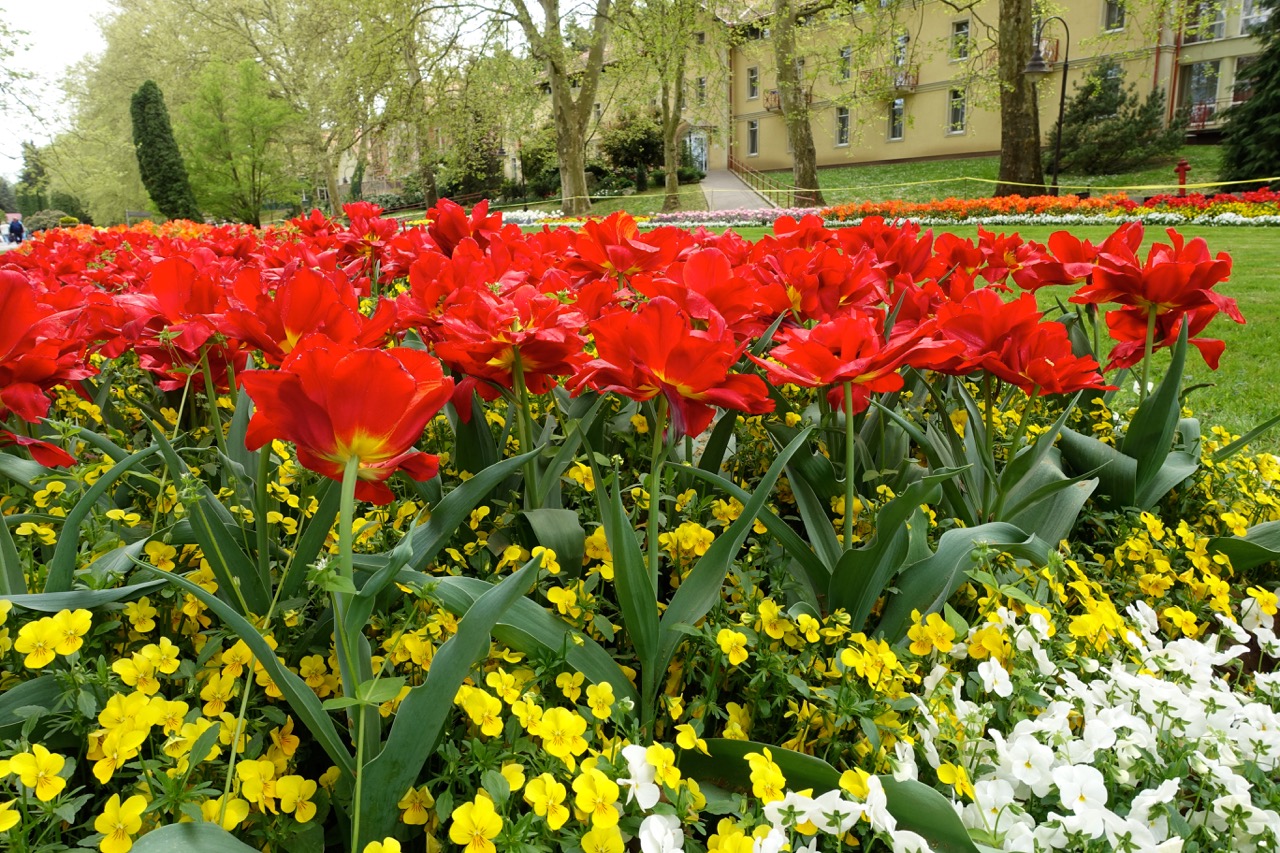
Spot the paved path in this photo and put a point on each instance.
(726, 191)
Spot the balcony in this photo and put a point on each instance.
(892, 81)
(773, 99)
(1049, 50)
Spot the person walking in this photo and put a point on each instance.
(16, 230)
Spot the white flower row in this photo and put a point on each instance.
(1178, 742)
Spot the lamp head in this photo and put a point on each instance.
(1037, 68)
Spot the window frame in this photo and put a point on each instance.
(753, 137)
(1114, 16)
(960, 97)
(753, 83)
(846, 62)
(958, 48)
(897, 119)
(842, 127)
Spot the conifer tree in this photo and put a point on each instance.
(1251, 136)
(159, 161)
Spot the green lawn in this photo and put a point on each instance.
(889, 181)
(1240, 394)
(646, 203)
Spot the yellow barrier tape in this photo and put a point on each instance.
(1041, 186)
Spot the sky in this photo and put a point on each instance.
(59, 34)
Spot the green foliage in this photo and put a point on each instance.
(63, 200)
(159, 161)
(44, 219)
(235, 134)
(1251, 135)
(540, 165)
(8, 199)
(634, 143)
(1107, 128)
(33, 181)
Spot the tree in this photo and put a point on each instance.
(633, 142)
(159, 161)
(567, 70)
(795, 103)
(33, 181)
(659, 36)
(1251, 136)
(1107, 128)
(8, 199)
(236, 133)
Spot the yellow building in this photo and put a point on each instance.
(919, 82)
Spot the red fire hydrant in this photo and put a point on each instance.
(1182, 168)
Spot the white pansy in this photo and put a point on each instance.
(640, 785)
(1081, 787)
(661, 833)
(995, 679)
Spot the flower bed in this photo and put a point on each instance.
(830, 540)
(1260, 207)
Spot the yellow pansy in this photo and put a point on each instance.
(546, 796)
(474, 826)
(119, 822)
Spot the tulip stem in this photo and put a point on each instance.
(211, 398)
(1146, 354)
(850, 466)
(346, 516)
(346, 571)
(655, 485)
(524, 428)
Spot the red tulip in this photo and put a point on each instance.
(480, 334)
(336, 402)
(851, 349)
(656, 351)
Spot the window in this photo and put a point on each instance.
(955, 111)
(1252, 16)
(842, 125)
(1245, 79)
(701, 91)
(1206, 21)
(700, 38)
(846, 63)
(1113, 15)
(598, 111)
(753, 138)
(900, 49)
(1201, 87)
(753, 83)
(960, 40)
(800, 70)
(897, 119)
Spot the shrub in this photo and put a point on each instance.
(1251, 136)
(43, 220)
(1107, 128)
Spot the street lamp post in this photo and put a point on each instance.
(1038, 69)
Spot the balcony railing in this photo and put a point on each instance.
(892, 80)
(773, 99)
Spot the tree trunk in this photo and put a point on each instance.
(574, 198)
(331, 183)
(795, 106)
(1019, 110)
(672, 99)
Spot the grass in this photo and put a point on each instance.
(1239, 395)
(902, 181)
(646, 203)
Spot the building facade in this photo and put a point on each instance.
(920, 82)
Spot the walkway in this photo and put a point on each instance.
(726, 191)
